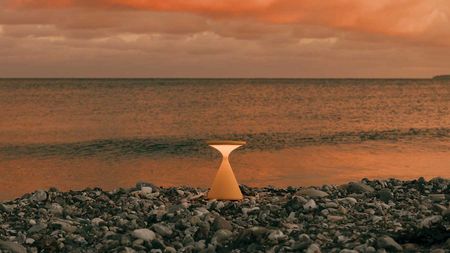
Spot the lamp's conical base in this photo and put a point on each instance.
(225, 186)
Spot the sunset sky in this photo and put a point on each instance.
(234, 38)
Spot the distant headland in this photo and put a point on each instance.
(441, 77)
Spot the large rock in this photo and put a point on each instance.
(12, 246)
(387, 243)
(357, 187)
(311, 192)
(144, 234)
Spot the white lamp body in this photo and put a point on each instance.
(225, 185)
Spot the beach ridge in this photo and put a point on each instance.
(366, 216)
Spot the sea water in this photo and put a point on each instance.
(77, 133)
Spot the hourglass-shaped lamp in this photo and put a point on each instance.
(225, 186)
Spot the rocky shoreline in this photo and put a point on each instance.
(366, 216)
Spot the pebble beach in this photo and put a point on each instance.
(365, 216)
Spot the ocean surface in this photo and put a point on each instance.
(77, 133)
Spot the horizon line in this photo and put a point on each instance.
(286, 78)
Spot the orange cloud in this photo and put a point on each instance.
(411, 19)
(209, 37)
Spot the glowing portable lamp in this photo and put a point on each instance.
(225, 186)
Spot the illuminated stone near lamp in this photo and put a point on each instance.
(225, 186)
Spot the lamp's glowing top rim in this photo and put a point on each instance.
(226, 142)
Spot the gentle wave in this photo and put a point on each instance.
(116, 148)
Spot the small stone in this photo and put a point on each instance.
(349, 200)
(376, 219)
(313, 193)
(128, 250)
(440, 208)
(97, 221)
(203, 229)
(385, 195)
(447, 244)
(291, 217)
(146, 189)
(438, 251)
(370, 249)
(6, 208)
(162, 229)
(437, 197)
(335, 218)
(356, 187)
(313, 248)
(138, 242)
(276, 235)
(65, 225)
(29, 241)
(170, 250)
(139, 186)
(421, 181)
(310, 205)
(222, 235)
(342, 239)
(247, 211)
(259, 231)
(348, 251)
(37, 228)
(13, 247)
(386, 242)
(32, 222)
(409, 247)
(39, 196)
(429, 221)
(342, 210)
(446, 213)
(365, 249)
(56, 209)
(221, 223)
(144, 234)
(303, 242)
(331, 205)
